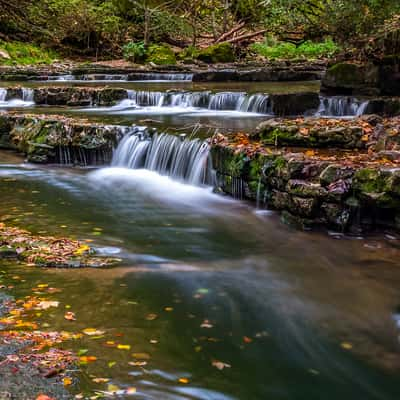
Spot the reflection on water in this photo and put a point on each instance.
(222, 284)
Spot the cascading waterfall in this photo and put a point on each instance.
(180, 158)
(223, 101)
(154, 76)
(3, 95)
(27, 95)
(342, 106)
(20, 98)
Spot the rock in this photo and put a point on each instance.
(336, 215)
(218, 53)
(294, 103)
(4, 54)
(334, 172)
(305, 189)
(160, 55)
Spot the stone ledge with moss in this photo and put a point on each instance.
(342, 188)
(57, 139)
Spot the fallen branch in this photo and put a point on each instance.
(247, 36)
(230, 32)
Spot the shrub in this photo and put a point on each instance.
(218, 53)
(134, 51)
(308, 49)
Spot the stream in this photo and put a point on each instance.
(214, 299)
(206, 279)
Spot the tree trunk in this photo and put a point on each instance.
(146, 25)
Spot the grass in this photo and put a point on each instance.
(307, 50)
(26, 54)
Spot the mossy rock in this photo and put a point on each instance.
(345, 74)
(218, 53)
(160, 55)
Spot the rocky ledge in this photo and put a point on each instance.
(202, 72)
(353, 185)
(56, 139)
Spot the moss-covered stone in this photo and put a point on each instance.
(218, 53)
(160, 55)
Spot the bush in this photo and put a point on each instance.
(218, 53)
(134, 51)
(308, 49)
(160, 54)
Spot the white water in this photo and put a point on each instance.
(341, 106)
(26, 101)
(223, 103)
(137, 77)
(179, 158)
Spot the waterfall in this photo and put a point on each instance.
(27, 95)
(341, 106)
(20, 98)
(3, 95)
(222, 101)
(150, 76)
(180, 158)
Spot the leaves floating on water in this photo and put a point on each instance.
(70, 316)
(93, 332)
(220, 365)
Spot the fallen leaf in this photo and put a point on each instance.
(124, 346)
(93, 332)
(70, 316)
(220, 365)
(183, 380)
(67, 381)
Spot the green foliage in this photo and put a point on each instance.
(309, 50)
(161, 55)
(134, 51)
(219, 53)
(26, 54)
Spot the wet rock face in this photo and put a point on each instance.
(350, 192)
(75, 96)
(295, 103)
(59, 140)
(362, 79)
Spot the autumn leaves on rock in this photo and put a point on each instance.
(337, 173)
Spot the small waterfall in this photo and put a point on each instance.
(27, 95)
(147, 99)
(150, 76)
(222, 101)
(180, 158)
(341, 106)
(3, 95)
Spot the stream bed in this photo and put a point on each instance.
(213, 298)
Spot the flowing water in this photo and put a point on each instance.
(205, 279)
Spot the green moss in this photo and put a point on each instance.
(26, 54)
(160, 55)
(219, 53)
(346, 74)
(368, 180)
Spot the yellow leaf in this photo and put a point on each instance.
(67, 381)
(183, 380)
(124, 347)
(346, 345)
(93, 332)
(84, 248)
